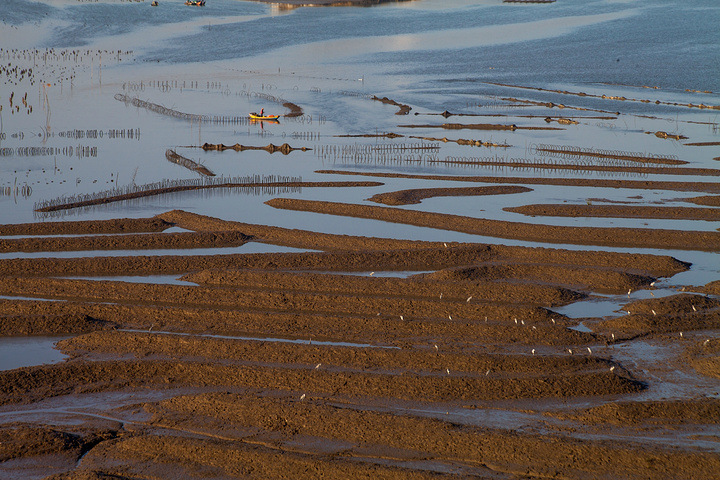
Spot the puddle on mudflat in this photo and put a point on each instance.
(17, 352)
(608, 306)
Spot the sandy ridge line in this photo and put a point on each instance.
(458, 333)
(619, 270)
(464, 291)
(36, 383)
(328, 357)
(416, 195)
(643, 264)
(88, 227)
(127, 242)
(290, 237)
(453, 253)
(442, 440)
(614, 237)
(618, 211)
(244, 457)
(707, 187)
(265, 300)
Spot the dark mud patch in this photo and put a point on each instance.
(127, 242)
(25, 323)
(404, 109)
(479, 126)
(707, 200)
(618, 211)
(416, 195)
(285, 148)
(90, 227)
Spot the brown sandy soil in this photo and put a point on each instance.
(416, 195)
(677, 313)
(618, 211)
(376, 377)
(25, 323)
(707, 187)
(126, 242)
(652, 413)
(621, 237)
(219, 456)
(404, 109)
(120, 225)
(458, 333)
(705, 357)
(712, 288)
(708, 200)
(703, 144)
(402, 435)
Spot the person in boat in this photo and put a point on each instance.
(262, 112)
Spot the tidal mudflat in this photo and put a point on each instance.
(471, 246)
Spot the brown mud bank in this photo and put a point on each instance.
(619, 211)
(617, 237)
(415, 196)
(314, 363)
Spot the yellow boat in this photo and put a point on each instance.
(257, 116)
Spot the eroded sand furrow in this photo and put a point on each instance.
(180, 457)
(266, 299)
(126, 242)
(284, 419)
(33, 384)
(619, 211)
(119, 225)
(429, 360)
(477, 290)
(620, 237)
(375, 329)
